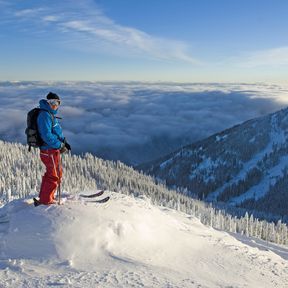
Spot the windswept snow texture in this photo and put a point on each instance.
(138, 122)
(128, 243)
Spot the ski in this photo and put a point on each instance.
(104, 200)
(99, 193)
(4, 219)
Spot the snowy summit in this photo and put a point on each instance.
(127, 242)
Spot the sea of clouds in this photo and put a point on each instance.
(136, 122)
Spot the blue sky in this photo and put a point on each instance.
(151, 40)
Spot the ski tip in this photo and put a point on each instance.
(104, 200)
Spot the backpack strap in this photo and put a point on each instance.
(52, 116)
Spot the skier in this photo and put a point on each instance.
(54, 144)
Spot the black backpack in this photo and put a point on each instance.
(32, 133)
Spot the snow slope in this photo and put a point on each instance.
(245, 165)
(127, 242)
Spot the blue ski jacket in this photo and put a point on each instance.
(52, 136)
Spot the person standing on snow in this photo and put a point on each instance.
(54, 144)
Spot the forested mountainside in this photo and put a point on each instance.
(21, 172)
(245, 166)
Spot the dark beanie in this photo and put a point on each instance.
(52, 95)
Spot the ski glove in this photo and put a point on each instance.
(63, 148)
(67, 145)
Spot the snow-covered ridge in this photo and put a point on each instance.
(128, 243)
(245, 165)
(277, 139)
(21, 173)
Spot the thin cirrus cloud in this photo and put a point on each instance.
(28, 12)
(134, 39)
(87, 21)
(274, 57)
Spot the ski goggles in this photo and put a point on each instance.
(54, 102)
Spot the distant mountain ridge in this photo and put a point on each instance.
(246, 165)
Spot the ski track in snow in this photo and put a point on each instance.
(128, 242)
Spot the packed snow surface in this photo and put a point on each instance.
(127, 242)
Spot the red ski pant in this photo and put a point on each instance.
(52, 178)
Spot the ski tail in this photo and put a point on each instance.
(97, 194)
(36, 202)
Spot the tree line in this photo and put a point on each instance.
(21, 173)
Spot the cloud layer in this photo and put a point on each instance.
(136, 122)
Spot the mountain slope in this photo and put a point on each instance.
(21, 171)
(127, 243)
(246, 165)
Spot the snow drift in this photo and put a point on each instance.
(126, 242)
